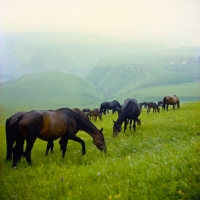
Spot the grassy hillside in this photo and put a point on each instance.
(159, 161)
(49, 91)
(116, 75)
(56, 90)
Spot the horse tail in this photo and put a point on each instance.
(101, 109)
(11, 135)
(164, 102)
(8, 140)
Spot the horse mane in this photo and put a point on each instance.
(86, 122)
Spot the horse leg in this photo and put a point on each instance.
(134, 126)
(30, 142)
(79, 140)
(63, 146)
(125, 124)
(50, 145)
(130, 123)
(17, 151)
(9, 150)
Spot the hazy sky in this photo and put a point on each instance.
(177, 19)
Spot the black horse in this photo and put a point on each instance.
(51, 125)
(109, 106)
(143, 104)
(152, 105)
(130, 111)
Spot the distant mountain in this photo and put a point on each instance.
(114, 75)
(28, 53)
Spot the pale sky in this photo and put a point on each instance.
(115, 18)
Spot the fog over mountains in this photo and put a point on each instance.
(27, 53)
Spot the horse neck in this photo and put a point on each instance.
(86, 126)
(121, 118)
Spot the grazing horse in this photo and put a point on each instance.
(171, 100)
(152, 105)
(51, 125)
(109, 106)
(94, 114)
(142, 104)
(12, 133)
(130, 111)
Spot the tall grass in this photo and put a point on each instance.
(160, 160)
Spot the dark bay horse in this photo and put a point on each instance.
(94, 114)
(171, 100)
(109, 106)
(152, 105)
(130, 111)
(51, 125)
(12, 134)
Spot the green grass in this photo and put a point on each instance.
(159, 161)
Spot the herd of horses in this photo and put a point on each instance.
(64, 123)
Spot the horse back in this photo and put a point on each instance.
(131, 108)
(46, 125)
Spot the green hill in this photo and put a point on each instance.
(127, 74)
(49, 91)
(144, 76)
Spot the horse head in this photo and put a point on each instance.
(178, 103)
(139, 122)
(116, 128)
(99, 141)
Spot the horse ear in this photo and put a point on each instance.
(114, 121)
(101, 130)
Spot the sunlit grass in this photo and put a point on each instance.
(159, 161)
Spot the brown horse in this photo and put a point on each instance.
(94, 114)
(51, 125)
(171, 100)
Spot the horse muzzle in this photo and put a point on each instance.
(115, 133)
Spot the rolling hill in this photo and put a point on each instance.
(28, 53)
(126, 74)
(50, 90)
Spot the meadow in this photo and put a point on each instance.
(160, 160)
